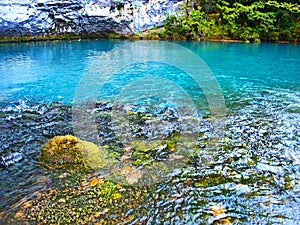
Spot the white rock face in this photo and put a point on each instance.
(48, 17)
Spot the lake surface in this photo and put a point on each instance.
(247, 173)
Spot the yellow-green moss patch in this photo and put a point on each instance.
(71, 152)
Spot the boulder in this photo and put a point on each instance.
(71, 152)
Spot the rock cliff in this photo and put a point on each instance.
(50, 17)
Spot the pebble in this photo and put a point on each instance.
(61, 200)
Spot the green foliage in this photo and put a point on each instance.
(258, 19)
(245, 20)
(196, 23)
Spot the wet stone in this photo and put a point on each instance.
(248, 172)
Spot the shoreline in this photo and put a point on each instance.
(154, 34)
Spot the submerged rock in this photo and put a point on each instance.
(71, 152)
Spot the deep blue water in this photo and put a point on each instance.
(252, 169)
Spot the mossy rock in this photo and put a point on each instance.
(71, 152)
(144, 146)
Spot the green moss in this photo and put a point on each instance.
(71, 152)
(84, 204)
(211, 180)
(171, 144)
(110, 190)
(143, 151)
(2, 114)
(143, 146)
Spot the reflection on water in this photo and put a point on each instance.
(46, 71)
(249, 174)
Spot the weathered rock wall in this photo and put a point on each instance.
(49, 17)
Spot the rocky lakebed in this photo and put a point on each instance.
(244, 170)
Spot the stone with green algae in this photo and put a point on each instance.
(71, 152)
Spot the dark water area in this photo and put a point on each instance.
(246, 172)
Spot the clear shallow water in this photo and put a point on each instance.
(252, 170)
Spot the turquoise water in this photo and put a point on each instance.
(252, 169)
(51, 71)
(47, 71)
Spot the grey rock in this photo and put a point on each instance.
(48, 17)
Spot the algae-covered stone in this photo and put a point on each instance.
(71, 152)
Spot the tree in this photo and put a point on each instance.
(252, 20)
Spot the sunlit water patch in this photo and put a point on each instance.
(248, 174)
